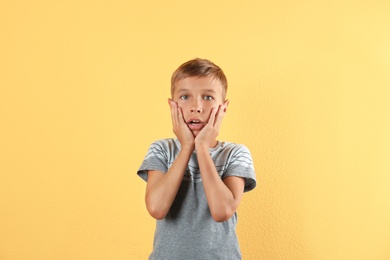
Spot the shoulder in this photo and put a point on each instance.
(167, 147)
(166, 144)
(239, 163)
(237, 147)
(234, 148)
(229, 153)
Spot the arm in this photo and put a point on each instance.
(223, 196)
(161, 189)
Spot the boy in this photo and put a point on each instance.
(195, 183)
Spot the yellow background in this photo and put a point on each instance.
(84, 86)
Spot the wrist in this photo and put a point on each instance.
(187, 148)
(199, 147)
(205, 144)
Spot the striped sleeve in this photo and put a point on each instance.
(241, 165)
(155, 159)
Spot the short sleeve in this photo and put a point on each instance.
(155, 159)
(241, 165)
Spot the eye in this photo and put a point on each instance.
(184, 97)
(208, 98)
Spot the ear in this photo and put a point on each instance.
(226, 103)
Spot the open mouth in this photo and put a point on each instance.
(195, 122)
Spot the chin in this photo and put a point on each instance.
(195, 133)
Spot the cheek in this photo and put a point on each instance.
(211, 106)
(182, 106)
(184, 110)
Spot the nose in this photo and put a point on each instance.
(196, 108)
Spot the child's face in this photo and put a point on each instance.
(197, 96)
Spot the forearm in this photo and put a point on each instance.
(220, 198)
(161, 190)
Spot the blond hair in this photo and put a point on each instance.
(199, 68)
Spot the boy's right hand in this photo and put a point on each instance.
(180, 127)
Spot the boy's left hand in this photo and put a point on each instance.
(207, 136)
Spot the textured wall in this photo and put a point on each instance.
(83, 94)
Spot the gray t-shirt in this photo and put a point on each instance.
(188, 231)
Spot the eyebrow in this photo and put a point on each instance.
(182, 90)
(210, 91)
(205, 90)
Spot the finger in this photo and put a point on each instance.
(171, 109)
(180, 116)
(173, 112)
(220, 115)
(212, 115)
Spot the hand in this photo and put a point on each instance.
(180, 127)
(207, 136)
